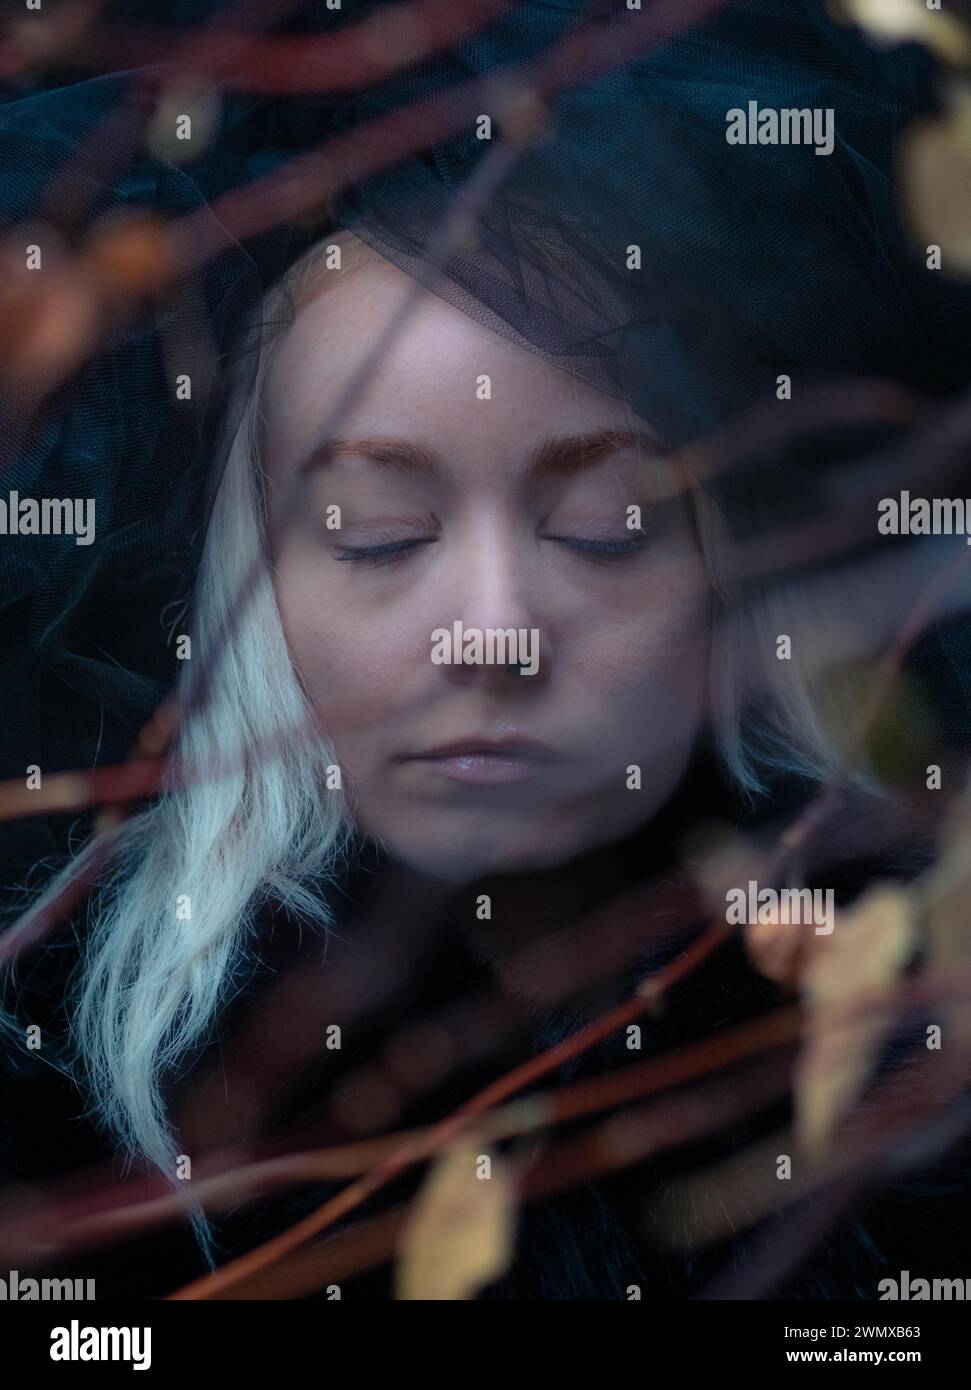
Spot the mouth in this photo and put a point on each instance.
(486, 761)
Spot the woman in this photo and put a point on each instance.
(549, 793)
(450, 828)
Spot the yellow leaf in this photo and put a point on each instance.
(189, 95)
(865, 954)
(782, 951)
(461, 1233)
(898, 21)
(935, 174)
(948, 885)
(945, 901)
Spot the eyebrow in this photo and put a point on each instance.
(558, 456)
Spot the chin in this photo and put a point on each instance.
(457, 865)
(494, 848)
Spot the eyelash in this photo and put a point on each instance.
(380, 553)
(603, 550)
(598, 551)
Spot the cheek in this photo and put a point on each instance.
(646, 678)
(652, 639)
(354, 678)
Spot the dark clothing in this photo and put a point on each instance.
(418, 955)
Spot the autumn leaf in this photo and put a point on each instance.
(188, 95)
(730, 1196)
(935, 174)
(782, 951)
(947, 888)
(47, 326)
(129, 254)
(903, 21)
(945, 903)
(869, 947)
(461, 1233)
(722, 860)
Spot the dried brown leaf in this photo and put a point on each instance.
(783, 951)
(935, 174)
(946, 914)
(461, 1233)
(869, 947)
(900, 21)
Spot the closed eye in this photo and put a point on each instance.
(590, 549)
(602, 549)
(376, 553)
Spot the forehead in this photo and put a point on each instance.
(428, 382)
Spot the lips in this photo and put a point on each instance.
(485, 761)
(508, 748)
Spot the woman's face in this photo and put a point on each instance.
(495, 508)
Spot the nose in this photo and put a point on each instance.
(494, 612)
